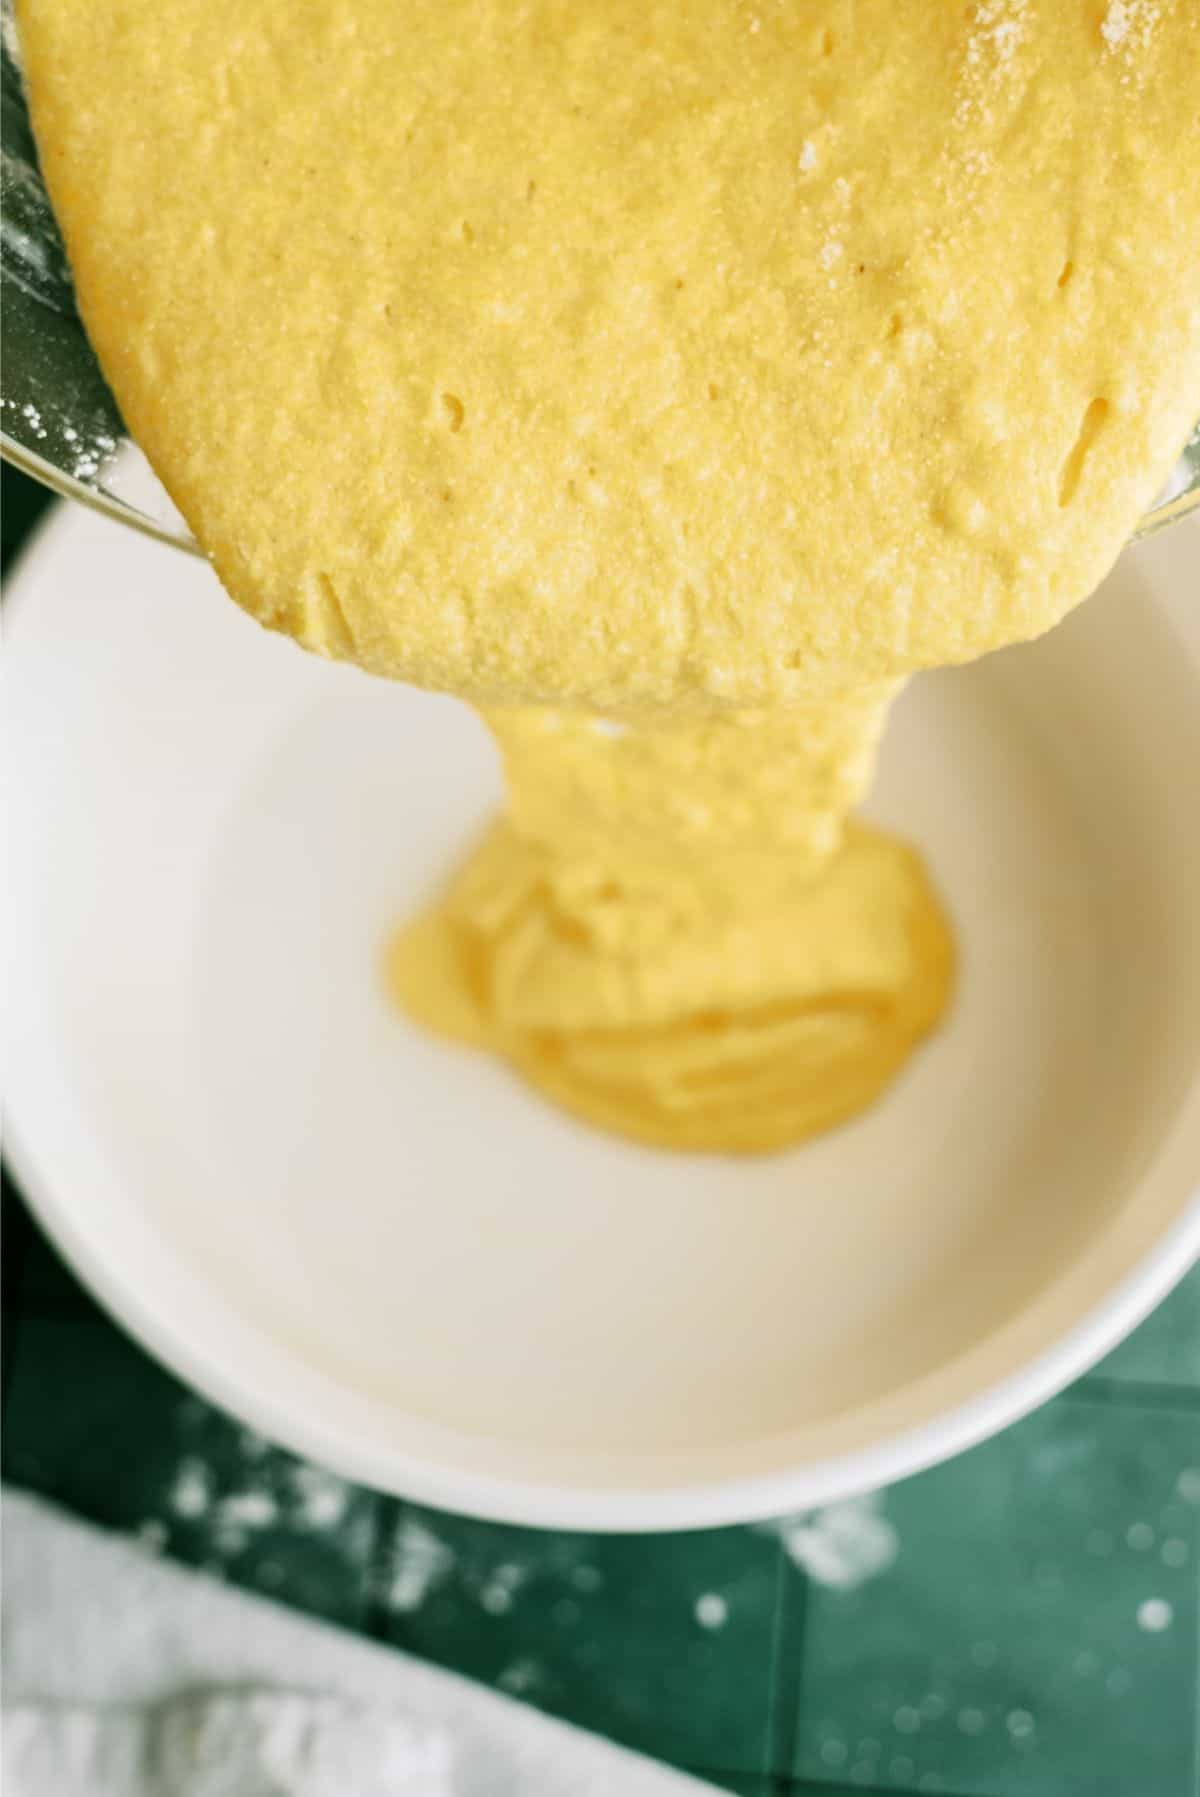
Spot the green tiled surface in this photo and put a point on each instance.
(93, 1423)
(1166, 1349)
(1031, 1631)
(1037, 1629)
(606, 1629)
(1024, 1624)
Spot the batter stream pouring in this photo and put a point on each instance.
(674, 933)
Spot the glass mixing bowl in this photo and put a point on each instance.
(58, 420)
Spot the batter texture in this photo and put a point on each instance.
(670, 381)
(673, 934)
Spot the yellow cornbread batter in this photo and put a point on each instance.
(672, 935)
(669, 380)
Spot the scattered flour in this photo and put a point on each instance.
(988, 83)
(264, 1490)
(89, 459)
(500, 1587)
(843, 1545)
(712, 1611)
(420, 1560)
(9, 40)
(66, 447)
(322, 1497)
(1115, 27)
(521, 1677)
(33, 255)
(239, 1516)
(997, 29)
(191, 1493)
(1129, 24)
(62, 427)
(1188, 1485)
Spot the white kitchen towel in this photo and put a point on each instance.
(125, 1676)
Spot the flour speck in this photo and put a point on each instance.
(420, 1560)
(1188, 1485)
(842, 1545)
(240, 1515)
(500, 1587)
(1128, 24)
(192, 1491)
(521, 1677)
(322, 1497)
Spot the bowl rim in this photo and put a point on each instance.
(110, 505)
(97, 499)
(536, 1503)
